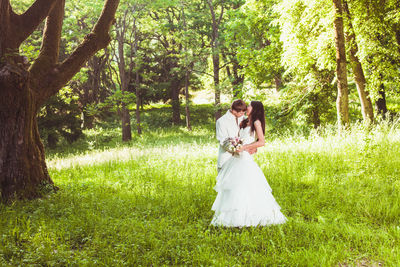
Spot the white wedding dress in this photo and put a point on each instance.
(244, 196)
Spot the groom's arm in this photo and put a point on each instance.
(221, 132)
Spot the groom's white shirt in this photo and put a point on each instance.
(226, 126)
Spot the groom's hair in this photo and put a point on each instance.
(239, 105)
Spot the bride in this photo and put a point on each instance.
(244, 196)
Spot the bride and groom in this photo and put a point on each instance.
(244, 196)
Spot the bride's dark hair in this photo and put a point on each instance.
(257, 114)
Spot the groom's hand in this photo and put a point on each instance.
(239, 150)
(252, 151)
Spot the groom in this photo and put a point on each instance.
(228, 126)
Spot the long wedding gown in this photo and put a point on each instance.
(244, 196)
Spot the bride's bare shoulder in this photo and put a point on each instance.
(257, 122)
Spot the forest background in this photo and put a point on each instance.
(279, 52)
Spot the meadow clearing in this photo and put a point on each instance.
(148, 202)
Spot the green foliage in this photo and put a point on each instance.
(378, 27)
(308, 43)
(107, 133)
(115, 100)
(307, 35)
(301, 109)
(289, 42)
(30, 48)
(80, 17)
(252, 31)
(149, 203)
(59, 119)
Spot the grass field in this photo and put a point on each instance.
(148, 203)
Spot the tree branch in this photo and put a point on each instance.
(112, 69)
(5, 13)
(24, 24)
(98, 39)
(221, 15)
(202, 72)
(48, 56)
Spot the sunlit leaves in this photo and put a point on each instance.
(376, 25)
(252, 31)
(20, 6)
(307, 34)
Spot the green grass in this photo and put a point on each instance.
(148, 203)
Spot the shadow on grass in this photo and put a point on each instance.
(157, 130)
(103, 140)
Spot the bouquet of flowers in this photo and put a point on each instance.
(232, 144)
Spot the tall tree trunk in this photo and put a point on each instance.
(187, 110)
(22, 158)
(106, 77)
(234, 76)
(235, 92)
(215, 57)
(87, 120)
(359, 77)
(315, 111)
(126, 123)
(238, 79)
(342, 101)
(380, 104)
(22, 91)
(92, 89)
(278, 81)
(124, 77)
(137, 80)
(176, 114)
(138, 101)
(397, 33)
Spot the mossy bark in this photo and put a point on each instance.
(22, 159)
(342, 101)
(358, 71)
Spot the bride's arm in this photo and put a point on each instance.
(260, 138)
